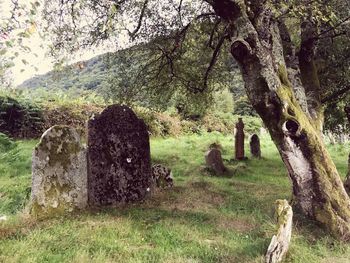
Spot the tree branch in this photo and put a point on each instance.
(308, 69)
(139, 23)
(336, 95)
(214, 59)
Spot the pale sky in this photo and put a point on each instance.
(38, 60)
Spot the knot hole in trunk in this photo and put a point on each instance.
(291, 127)
(241, 50)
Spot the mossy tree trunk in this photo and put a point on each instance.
(277, 83)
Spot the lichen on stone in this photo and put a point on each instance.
(59, 173)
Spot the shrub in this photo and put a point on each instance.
(20, 119)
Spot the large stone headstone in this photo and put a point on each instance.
(255, 146)
(239, 140)
(118, 157)
(59, 172)
(214, 161)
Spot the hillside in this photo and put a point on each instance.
(118, 73)
(90, 74)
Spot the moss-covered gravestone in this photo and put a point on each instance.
(118, 158)
(214, 161)
(59, 173)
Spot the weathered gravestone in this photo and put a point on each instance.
(214, 161)
(239, 140)
(59, 172)
(118, 157)
(255, 146)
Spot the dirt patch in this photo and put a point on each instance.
(20, 228)
(195, 196)
(240, 225)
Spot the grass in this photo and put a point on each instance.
(202, 219)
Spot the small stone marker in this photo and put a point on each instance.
(214, 161)
(280, 242)
(162, 176)
(239, 140)
(59, 172)
(255, 146)
(119, 157)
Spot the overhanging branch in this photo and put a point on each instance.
(337, 95)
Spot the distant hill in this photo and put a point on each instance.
(116, 69)
(90, 74)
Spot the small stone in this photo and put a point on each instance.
(214, 161)
(162, 176)
(255, 146)
(3, 218)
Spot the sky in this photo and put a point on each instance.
(39, 62)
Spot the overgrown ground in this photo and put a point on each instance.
(202, 219)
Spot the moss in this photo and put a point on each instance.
(61, 147)
(283, 75)
(53, 194)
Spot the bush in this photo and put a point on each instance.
(20, 119)
(9, 151)
(6, 143)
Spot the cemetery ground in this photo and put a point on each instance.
(202, 219)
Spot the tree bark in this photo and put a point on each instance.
(257, 47)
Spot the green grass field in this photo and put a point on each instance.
(202, 219)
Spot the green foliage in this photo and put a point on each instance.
(20, 119)
(223, 101)
(333, 63)
(16, 24)
(243, 107)
(6, 143)
(336, 119)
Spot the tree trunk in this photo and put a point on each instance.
(257, 47)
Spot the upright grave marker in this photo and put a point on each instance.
(118, 157)
(255, 146)
(239, 140)
(59, 172)
(214, 161)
